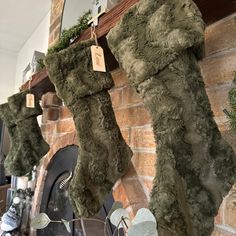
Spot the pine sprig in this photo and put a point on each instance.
(233, 121)
(232, 99)
(70, 34)
(40, 64)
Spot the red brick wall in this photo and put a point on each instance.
(218, 70)
(134, 120)
(55, 20)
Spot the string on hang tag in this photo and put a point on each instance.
(97, 53)
(93, 34)
(30, 99)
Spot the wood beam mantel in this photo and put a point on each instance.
(212, 10)
(40, 84)
(109, 20)
(106, 22)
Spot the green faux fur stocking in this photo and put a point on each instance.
(104, 156)
(158, 43)
(9, 120)
(27, 144)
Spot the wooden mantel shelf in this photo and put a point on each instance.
(212, 10)
(40, 84)
(106, 22)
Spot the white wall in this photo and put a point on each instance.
(7, 74)
(74, 9)
(37, 42)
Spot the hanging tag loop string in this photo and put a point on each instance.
(30, 80)
(93, 34)
(30, 99)
(30, 77)
(98, 60)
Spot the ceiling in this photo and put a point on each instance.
(18, 20)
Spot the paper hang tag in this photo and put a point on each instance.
(98, 58)
(30, 101)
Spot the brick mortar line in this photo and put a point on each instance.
(226, 228)
(217, 87)
(221, 120)
(144, 150)
(113, 89)
(122, 96)
(145, 189)
(66, 119)
(223, 210)
(116, 185)
(122, 87)
(129, 106)
(224, 51)
(146, 177)
(136, 203)
(55, 122)
(147, 126)
(128, 179)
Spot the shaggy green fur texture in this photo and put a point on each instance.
(231, 114)
(27, 144)
(158, 43)
(104, 155)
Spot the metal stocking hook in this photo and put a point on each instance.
(66, 180)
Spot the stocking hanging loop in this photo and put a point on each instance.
(30, 99)
(31, 76)
(93, 34)
(30, 80)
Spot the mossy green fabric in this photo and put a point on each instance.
(27, 145)
(104, 156)
(231, 114)
(157, 43)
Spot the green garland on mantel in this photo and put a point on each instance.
(232, 102)
(70, 34)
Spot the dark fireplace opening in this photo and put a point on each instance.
(55, 202)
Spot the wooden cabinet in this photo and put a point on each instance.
(3, 196)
